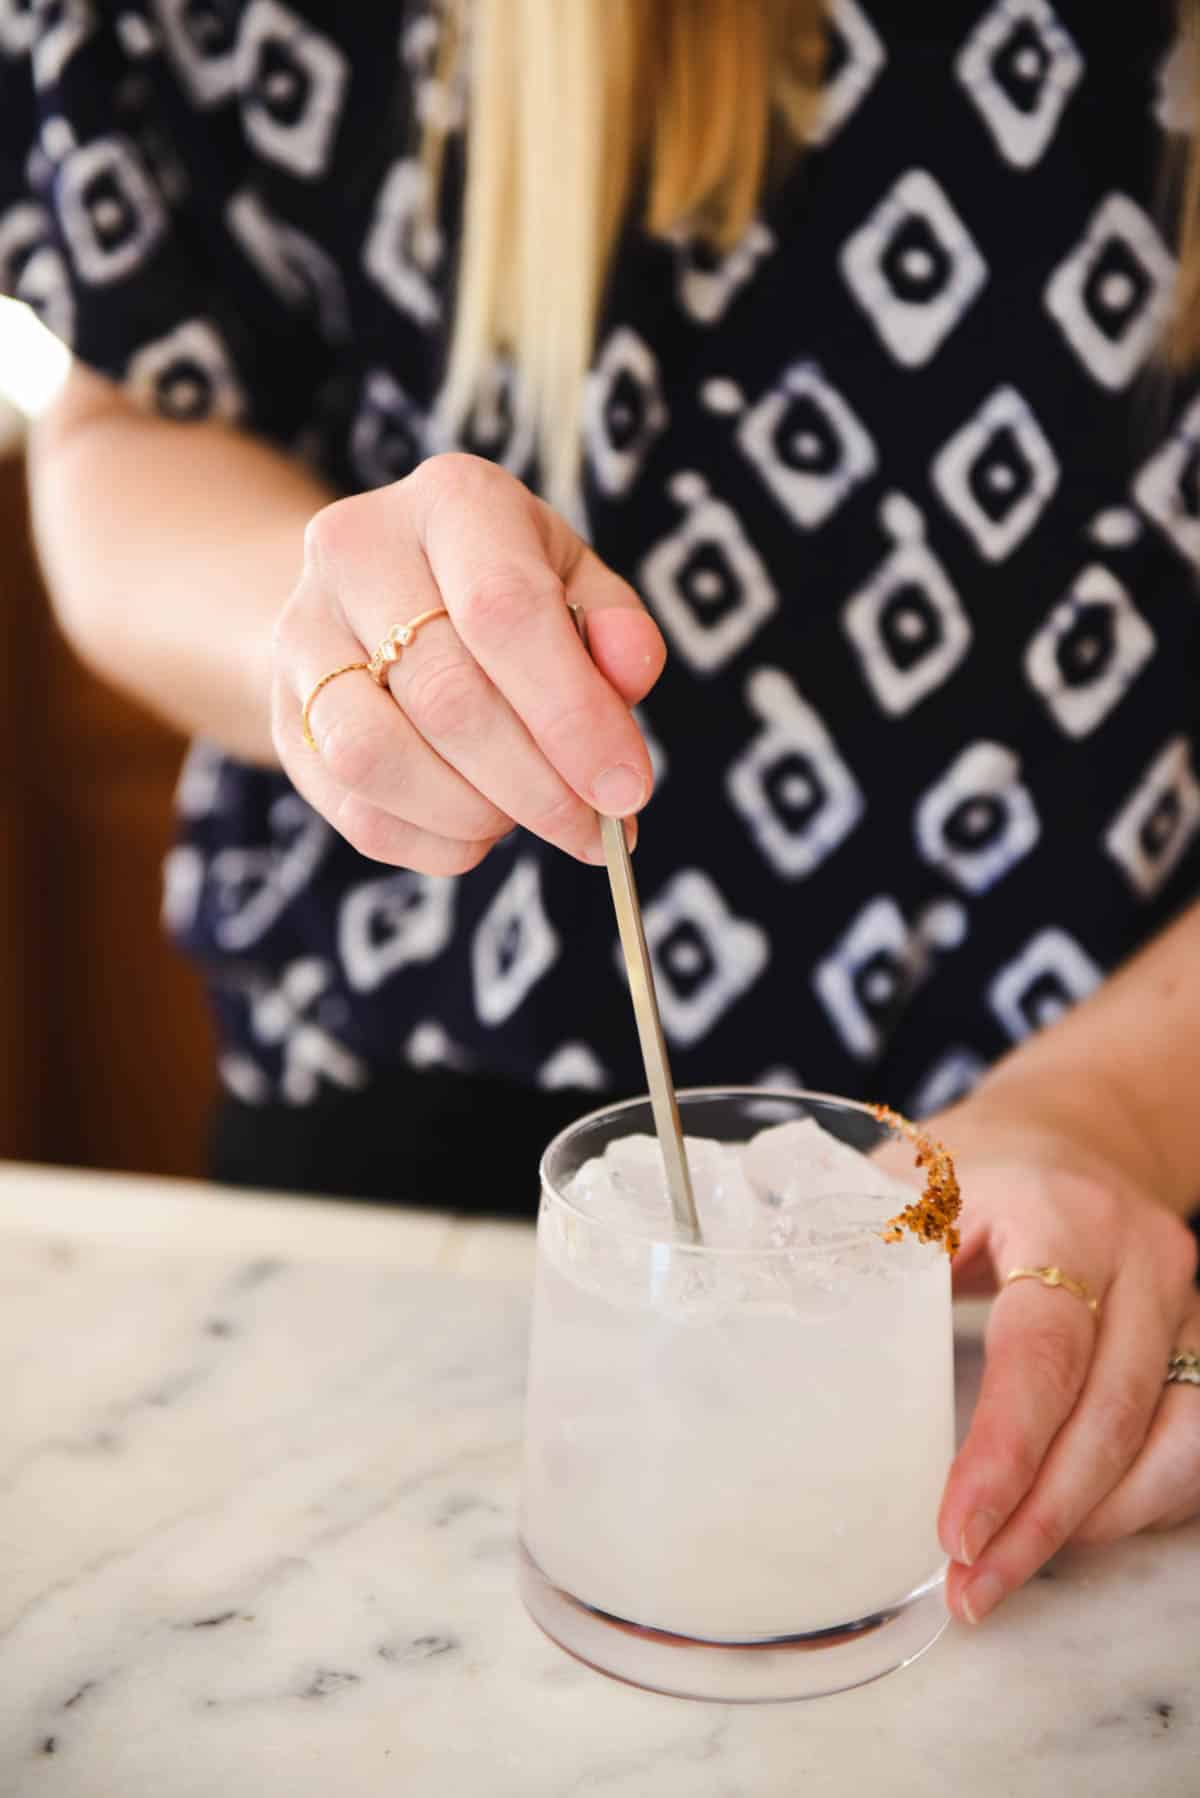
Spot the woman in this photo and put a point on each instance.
(877, 436)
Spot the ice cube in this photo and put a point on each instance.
(627, 1185)
(799, 1162)
(792, 1185)
(729, 1207)
(633, 1167)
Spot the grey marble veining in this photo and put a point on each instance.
(256, 1518)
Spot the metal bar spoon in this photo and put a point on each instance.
(645, 1010)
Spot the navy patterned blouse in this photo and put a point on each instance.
(901, 478)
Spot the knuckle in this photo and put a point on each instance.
(1012, 1462)
(350, 752)
(1178, 1247)
(454, 476)
(563, 819)
(328, 534)
(1047, 1530)
(372, 833)
(501, 600)
(460, 858)
(572, 725)
(479, 821)
(1102, 1527)
(446, 697)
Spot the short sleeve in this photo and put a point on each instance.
(130, 223)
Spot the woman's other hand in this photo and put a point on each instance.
(1075, 1437)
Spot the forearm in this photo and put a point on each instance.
(169, 551)
(1121, 1072)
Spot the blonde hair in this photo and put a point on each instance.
(578, 109)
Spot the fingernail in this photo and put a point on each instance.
(981, 1596)
(631, 834)
(979, 1530)
(618, 790)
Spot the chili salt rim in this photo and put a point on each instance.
(932, 1216)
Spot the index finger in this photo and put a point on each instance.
(1038, 1349)
(506, 583)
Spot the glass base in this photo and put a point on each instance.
(784, 1668)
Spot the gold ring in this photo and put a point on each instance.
(397, 639)
(1054, 1276)
(1183, 1369)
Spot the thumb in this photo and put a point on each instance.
(623, 640)
(628, 649)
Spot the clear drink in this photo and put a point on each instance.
(735, 1454)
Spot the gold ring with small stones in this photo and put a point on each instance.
(397, 639)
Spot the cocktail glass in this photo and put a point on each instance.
(734, 1456)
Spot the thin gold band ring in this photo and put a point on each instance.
(1054, 1276)
(389, 651)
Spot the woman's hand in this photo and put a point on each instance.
(1075, 1437)
(497, 714)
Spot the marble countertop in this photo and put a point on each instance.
(258, 1466)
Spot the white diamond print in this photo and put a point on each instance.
(287, 1016)
(62, 28)
(906, 624)
(623, 410)
(997, 473)
(978, 820)
(498, 426)
(798, 797)
(291, 80)
(1111, 295)
(707, 585)
(1020, 67)
(386, 924)
(515, 945)
(861, 56)
(1153, 829)
(254, 886)
(1175, 89)
(1034, 990)
(704, 958)
(198, 789)
(1088, 651)
(112, 215)
(913, 268)
(33, 270)
(201, 41)
(243, 1078)
(403, 247)
(572, 1064)
(806, 444)
(706, 284)
(18, 23)
(1168, 486)
(301, 272)
(868, 974)
(430, 1045)
(187, 375)
(183, 883)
